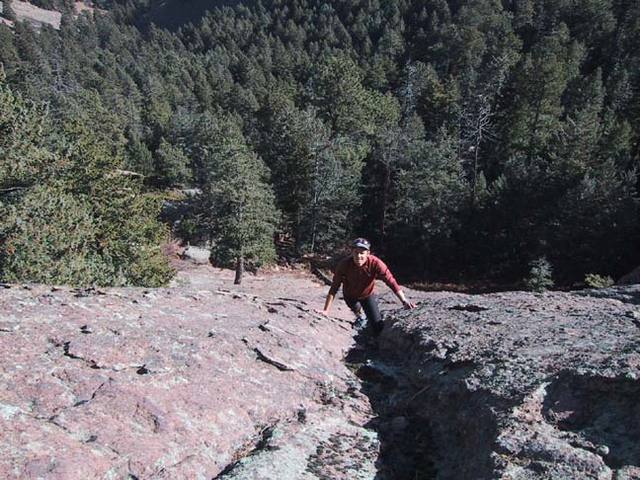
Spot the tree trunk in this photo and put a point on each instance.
(239, 270)
(316, 200)
(474, 189)
(385, 201)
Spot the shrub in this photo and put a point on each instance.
(49, 237)
(594, 280)
(540, 275)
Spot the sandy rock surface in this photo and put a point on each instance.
(179, 383)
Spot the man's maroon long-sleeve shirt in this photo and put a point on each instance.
(358, 282)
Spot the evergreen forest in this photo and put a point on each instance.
(467, 139)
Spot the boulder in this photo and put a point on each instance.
(198, 255)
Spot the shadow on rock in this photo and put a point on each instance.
(405, 441)
(628, 294)
(604, 411)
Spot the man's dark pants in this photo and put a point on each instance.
(370, 307)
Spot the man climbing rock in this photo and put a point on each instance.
(357, 274)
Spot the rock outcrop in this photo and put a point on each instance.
(180, 383)
(197, 255)
(521, 386)
(206, 380)
(37, 16)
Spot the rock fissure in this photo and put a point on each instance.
(53, 420)
(406, 446)
(94, 365)
(257, 444)
(67, 353)
(270, 361)
(93, 395)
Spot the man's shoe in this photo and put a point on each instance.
(361, 322)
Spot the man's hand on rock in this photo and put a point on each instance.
(405, 303)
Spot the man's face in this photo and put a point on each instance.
(359, 255)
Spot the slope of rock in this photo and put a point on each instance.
(181, 383)
(205, 380)
(37, 16)
(520, 386)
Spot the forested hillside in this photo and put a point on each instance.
(466, 138)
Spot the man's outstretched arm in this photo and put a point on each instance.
(328, 302)
(406, 303)
(387, 277)
(335, 286)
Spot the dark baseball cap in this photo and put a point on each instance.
(361, 243)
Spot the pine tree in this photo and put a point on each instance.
(341, 98)
(238, 205)
(431, 194)
(8, 11)
(24, 156)
(68, 212)
(540, 275)
(393, 148)
(315, 173)
(8, 52)
(172, 165)
(536, 110)
(577, 147)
